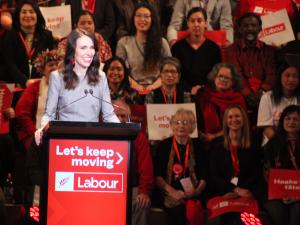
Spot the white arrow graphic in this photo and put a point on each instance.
(120, 158)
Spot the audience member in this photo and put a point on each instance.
(170, 92)
(123, 12)
(286, 91)
(86, 21)
(181, 172)
(31, 105)
(143, 178)
(283, 152)
(196, 54)
(25, 41)
(234, 162)
(223, 89)
(144, 48)
(255, 61)
(118, 81)
(78, 91)
(218, 17)
(102, 11)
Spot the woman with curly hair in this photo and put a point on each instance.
(78, 91)
(143, 48)
(222, 90)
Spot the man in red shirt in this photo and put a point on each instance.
(254, 59)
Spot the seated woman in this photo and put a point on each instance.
(283, 152)
(180, 169)
(31, 105)
(169, 92)
(196, 54)
(86, 21)
(222, 90)
(234, 163)
(143, 48)
(286, 91)
(118, 81)
(25, 41)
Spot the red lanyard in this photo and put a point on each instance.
(28, 52)
(235, 160)
(88, 5)
(187, 150)
(292, 147)
(165, 97)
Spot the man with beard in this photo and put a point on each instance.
(253, 59)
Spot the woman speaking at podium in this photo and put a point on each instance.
(78, 91)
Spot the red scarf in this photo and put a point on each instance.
(213, 105)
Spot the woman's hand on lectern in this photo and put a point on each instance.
(38, 135)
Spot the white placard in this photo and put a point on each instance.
(58, 19)
(158, 119)
(276, 28)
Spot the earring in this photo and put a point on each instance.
(73, 61)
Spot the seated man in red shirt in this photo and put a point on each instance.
(254, 60)
(143, 177)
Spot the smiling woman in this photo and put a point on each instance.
(221, 91)
(143, 48)
(78, 91)
(25, 41)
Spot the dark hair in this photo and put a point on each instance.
(236, 83)
(247, 15)
(153, 45)
(125, 85)
(84, 13)
(281, 132)
(70, 77)
(277, 91)
(40, 24)
(195, 10)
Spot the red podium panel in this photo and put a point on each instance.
(88, 176)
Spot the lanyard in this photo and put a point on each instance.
(187, 150)
(235, 160)
(165, 97)
(88, 5)
(291, 148)
(28, 52)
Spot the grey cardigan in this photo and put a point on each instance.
(86, 109)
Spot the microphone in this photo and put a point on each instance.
(114, 105)
(67, 105)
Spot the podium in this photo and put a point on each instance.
(87, 174)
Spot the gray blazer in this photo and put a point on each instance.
(87, 109)
(218, 17)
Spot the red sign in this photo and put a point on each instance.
(87, 182)
(220, 205)
(273, 29)
(284, 184)
(267, 6)
(6, 94)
